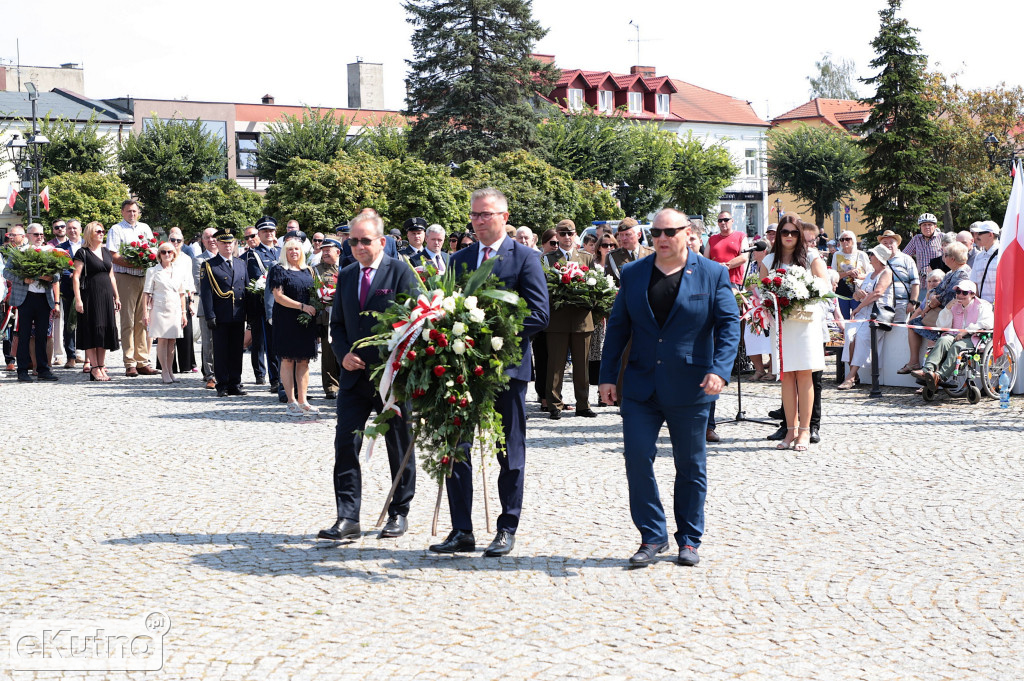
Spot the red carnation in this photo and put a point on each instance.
(452, 399)
(135, 244)
(444, 460)
(777, 281)
(152, 239)
(584, 268)
(439, 370)
(411, 354)
(434, 334)
(457, 421)
(396, 365)
(431, 350)
(460, 379)
(566, 279)
(478, 371)
(766, 281)
(783, 302)
(781, 271)
(152, 256)
(443, 341)
(463, 402)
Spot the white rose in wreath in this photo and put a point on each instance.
(458, 328)
(448, 304)
(477, 315)
(459, 347)
(591, 282)
(470, 302)
(497, 342)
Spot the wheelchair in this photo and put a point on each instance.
(977, 371)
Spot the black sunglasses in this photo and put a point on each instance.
(175, 241)
(845, 238)
(318, 241)
(789, 232)
(250, 236)
(667, 231)
(607, 245)
(566, 233)
(553, 242)
(365, 241)
(725, 219)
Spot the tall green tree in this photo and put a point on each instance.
(388, 138)
(472, 78)
(166, 156)
(586, 144)
(73, 149)
(901, 175)
(418, 189)
(317, 136)
(817, 164)
(222, 204)
(833, 80)
(699, 175)
(646, 182)
(86, 196)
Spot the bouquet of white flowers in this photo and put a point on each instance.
(785, 292)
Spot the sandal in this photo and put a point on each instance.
(801, 446)
(848, 384)
(759, 375)
(784, 444)
(908, 367)
(87, 368)
(767, 378)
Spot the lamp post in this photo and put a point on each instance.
(24, 155)
(991, 143)
(778, 209)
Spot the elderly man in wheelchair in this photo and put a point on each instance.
(967, 312)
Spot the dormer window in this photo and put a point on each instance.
(636, 102)
(575, 99)
(605, 100)
(663, 105)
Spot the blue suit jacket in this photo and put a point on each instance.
(700, 336)
(520, 270)
(349, 325)
(229, 277)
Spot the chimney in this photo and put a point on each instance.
(544, 58)
(268, 99)
(365, 85)
(69, 65)
(644, 71)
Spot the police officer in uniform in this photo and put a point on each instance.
(258, 261)
(415, 232)
(222, 282)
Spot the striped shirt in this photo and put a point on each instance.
(123, 233)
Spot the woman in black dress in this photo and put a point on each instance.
(294, 342)
(96, 300)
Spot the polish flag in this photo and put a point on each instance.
(1009, 308)
(45, 196)
(12, 196)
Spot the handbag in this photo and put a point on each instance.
(931, 318)
(883, 315)
(844, 289)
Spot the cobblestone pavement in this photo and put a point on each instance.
(890, 551)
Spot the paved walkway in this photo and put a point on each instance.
(891, 551)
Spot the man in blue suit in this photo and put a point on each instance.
(519, 269)
(371, 284)
(681, 313)
(222, 281)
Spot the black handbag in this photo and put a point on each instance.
(844, 289)
(883, 316)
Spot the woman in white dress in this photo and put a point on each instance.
(803, 350)
(165, 306)
(876, 286)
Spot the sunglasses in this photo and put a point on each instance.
(845, 238)
(607, 246)
(166, 252)
(667, 231)
(175, 241)
(250, 236)
(363, 241)
(790, 232)
(725, 219)
(566, 233)
(318, 241)
(553, 242)
(963, 293)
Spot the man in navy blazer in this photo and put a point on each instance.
(519, 269)
(370, 284)
(222, 282)
(681, 313)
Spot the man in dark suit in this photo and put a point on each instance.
(415, 231)
(222, 281)
(67, 293)
(681, 313)
(433, 252)
(569, 328)
(369, 285)
(259, 258)
(520, 271)
(390, 246)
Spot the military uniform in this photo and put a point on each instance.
(258, 261)
(329, 367)
(222, 285)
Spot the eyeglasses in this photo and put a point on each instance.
(790, 232)
(363, 241)
(667, 231)
(166, 252)
(725, 219)
(963, 293)
(175, 241)
(486, 215)
(99, 231)
(553, 242)
(35, 234)
(607, 246)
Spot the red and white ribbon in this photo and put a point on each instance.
(760, 314)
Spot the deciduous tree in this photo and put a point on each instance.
(317, 136)
(222, 204)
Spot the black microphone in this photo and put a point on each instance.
(759, 245)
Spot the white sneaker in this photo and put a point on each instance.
(309, 409)
(293, 409)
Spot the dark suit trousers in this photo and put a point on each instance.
(816, 409)
(34, 312)
(511, 404)
(68, 304)
(262, 349)
(641, 423)
(559, 345)
(329, 369)
(540, 365)
(354, 407)
(228, 338)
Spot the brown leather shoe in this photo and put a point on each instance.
(70, 364)
(211, 384)
(712, 436)
(131, 372)
(146, 370)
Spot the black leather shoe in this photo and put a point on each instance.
(589, 413)
(331, 396)
(554, 414)
(711, 436)
(274, 385)
(779, 434)
(48, 376)
(394, 527)
(25, 377)
(503, 543)
(776, 414)
(342, 529)
(282, 398)
(261, 381)
(688, 556)
(458, 541)
(815, 437)
(646, 553)
(222, 392)
(237, 391)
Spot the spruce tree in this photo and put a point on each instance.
(900, 172)
(472, 80)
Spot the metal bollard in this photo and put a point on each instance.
(875, 390)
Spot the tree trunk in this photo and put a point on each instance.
(947, 217)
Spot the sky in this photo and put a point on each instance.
(297, 51)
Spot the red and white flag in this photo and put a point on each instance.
(12, 196)
(1009, 308)
(45, 196)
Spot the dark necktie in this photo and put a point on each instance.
(364, 287)
(487, 254)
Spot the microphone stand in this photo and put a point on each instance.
(740, 414)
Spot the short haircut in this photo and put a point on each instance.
(957, 251)
(77, 222)
(283, 258)
(435, 229)
(524, 230)
(490, 193)
(131, 202)
(369, 217)
(54, 223)
(510, 230)
(936, 274)
(947, 238)
(589, 239)
(673, 212)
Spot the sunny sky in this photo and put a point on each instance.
(297, 51)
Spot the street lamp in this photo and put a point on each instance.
(991, 143)
(778, 209)
(24, 155)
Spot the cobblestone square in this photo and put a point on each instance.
(890, 551)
